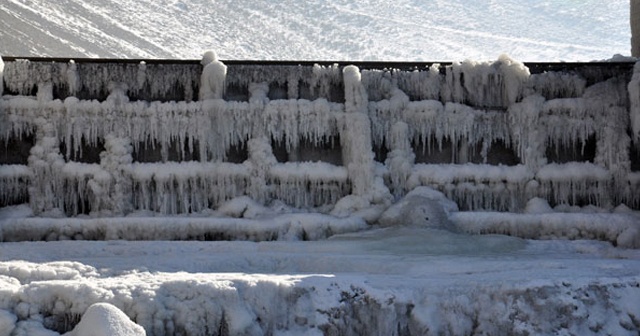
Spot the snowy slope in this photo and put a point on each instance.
(410, 30)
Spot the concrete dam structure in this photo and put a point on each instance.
(114, 137)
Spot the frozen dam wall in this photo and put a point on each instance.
(110, 137)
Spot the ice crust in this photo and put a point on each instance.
(467, 108)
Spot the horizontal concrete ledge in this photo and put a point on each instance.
(620, 229)
(291, 227)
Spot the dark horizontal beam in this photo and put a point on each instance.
(534, 67)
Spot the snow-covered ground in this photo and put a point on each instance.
(385, 281)
(406, 30)
(287, 272)
(302, 273)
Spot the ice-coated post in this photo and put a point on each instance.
(634, 100)
(355, 95)
(1, 77)
(635, 28)
(46, 163)
(355, 133)
(115, 188)
(213, 77)
(73, 80)
(401, 158)
(261, 160)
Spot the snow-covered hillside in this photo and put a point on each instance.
(409, 30)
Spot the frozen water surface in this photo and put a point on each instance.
(408, 241)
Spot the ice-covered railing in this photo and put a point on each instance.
(496, 134)
(490, 135)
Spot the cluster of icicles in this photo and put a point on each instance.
(468, 105)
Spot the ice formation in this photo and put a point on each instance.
(213, 77)
(104, 319)
(489, 135)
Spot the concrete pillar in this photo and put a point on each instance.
(635, 28)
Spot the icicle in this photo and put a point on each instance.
(573, 182)
(476, 186)
(528, 136)
(323, 79)
(14, 181)
(553, 85)
(308, 184)
(493, 85)
(420, 84)
(377, 83)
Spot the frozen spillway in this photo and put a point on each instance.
(109, 137)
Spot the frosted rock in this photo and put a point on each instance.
(358, 206)
(629, 238)
(423, 207)
(103, 319)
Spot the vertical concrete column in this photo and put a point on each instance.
(635, 28)
(46, 190)
(400, 159)
(1, 77)
(261, 160)
(355, 133)
(113, 190)
(212, 80)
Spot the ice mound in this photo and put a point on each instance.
(422, 207)
(538, 205)
(103, 319)
(7, 322)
